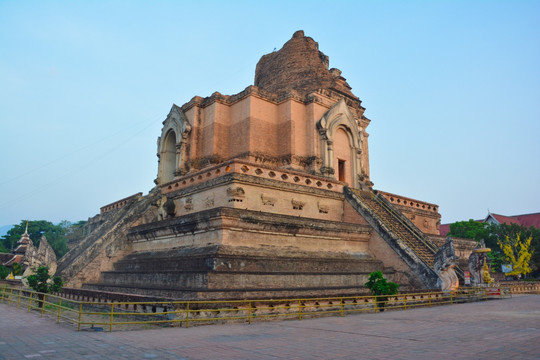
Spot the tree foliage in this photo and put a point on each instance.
(378, 285)
(16, 269)
(517, 253)
(42, 282)
(469, 230)
(74, 231)
(55, 234)
(493, 234)
(4, 272)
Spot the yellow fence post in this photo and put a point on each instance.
(10, 294)
(473, 294)
(3, 291)
(30, 301)
(43, 304)
(59, 310)
(187, 314)
(80, 315)
(19, 299)
(111, 318)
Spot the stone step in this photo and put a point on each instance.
(217, 280)
(398, 229)
(213, 259)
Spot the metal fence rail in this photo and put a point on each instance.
(122, 315)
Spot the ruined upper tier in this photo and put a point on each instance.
(299, 66)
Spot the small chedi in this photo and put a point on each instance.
(265, 193)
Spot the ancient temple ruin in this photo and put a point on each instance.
(265, 193)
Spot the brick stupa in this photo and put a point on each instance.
(265, 193)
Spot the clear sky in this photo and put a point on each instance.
(452, 89)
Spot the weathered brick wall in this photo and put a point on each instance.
(299, 66)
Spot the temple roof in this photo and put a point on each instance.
(299, 66)
(526, 220)
(17, 258)
(23, 242)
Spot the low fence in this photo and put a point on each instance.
(522, 287)
(131, 315)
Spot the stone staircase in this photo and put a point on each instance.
(413, 246)
(98, 250)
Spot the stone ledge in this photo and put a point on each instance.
(240, 218)
(252, 173)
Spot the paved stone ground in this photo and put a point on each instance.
(498, 329)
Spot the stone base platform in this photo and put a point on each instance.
(227, 253)
(224, 272)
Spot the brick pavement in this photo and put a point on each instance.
(499, 329)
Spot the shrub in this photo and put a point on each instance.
(380, 287)
(41, 282)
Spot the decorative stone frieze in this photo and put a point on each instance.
(268, 200)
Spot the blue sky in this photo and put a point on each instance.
(452, 89)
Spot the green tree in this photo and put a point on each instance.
(74, 231)
(500, 232)
(380, 287)
(4, 272)
(469, 230)
(42, 282)
(517, 253)
(16, 269)
(55, 235)
(492, 234)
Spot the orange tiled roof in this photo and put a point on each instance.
(15, 259)
(526, 220)
(4, 257)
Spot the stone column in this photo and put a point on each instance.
(357, 165)
(181, 154)
(330, 146)
(326, 154)
(365, 154)
(178, 164)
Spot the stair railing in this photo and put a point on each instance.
(414, 231)
(406, 223)
(371, 196)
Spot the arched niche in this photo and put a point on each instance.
(343, 155)
(168, 157)
(172, 146)
(341, 144)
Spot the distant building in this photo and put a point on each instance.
(526, 220)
